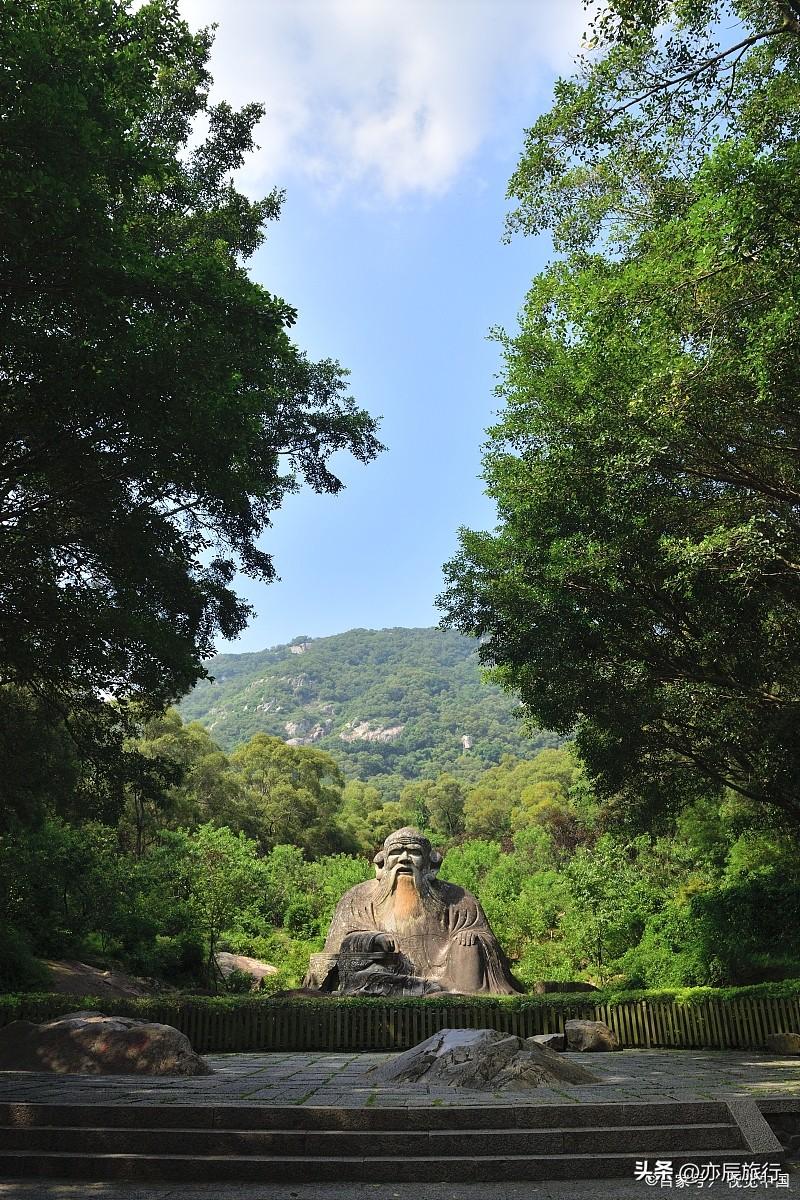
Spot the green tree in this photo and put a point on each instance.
(643, 585)
(286, 878)
(57, 760)
(331, 876)
(149, 783)
(154, 409)
(534, 922)
(469, 863)
(445, 806)
(734, 925)
(183, 779)
(289, 793)
(546, 805)
(414, 800)
(487, 811)
(367, 817)
(610, 902)
(222, 875)
(39, 767)
(61, 883)
(549, 789)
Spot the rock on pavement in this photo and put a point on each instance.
(483, 1060)
(590, 1035)
(93, 1044)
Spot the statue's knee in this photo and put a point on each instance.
(465, 966)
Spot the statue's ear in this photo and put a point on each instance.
(379, 861)
(436, 862)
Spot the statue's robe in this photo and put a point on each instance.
(424, 931)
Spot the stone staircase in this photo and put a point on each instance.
(303, 1144)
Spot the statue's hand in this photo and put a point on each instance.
(362, 943)
(465, 937)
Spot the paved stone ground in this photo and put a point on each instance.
(343, 1080)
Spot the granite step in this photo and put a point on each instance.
(300, 1168)
(368, 1143)
(434, 1116)
(436, 1143)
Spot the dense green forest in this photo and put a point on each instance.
(390, 705)
(249, 851)
(640, 592)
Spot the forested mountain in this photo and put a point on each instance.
(407, 702)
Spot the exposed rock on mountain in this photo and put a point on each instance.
(363, 731)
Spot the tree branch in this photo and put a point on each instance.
(789, 25)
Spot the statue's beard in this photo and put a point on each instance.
(406, 893)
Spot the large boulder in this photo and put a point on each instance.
(253, 967)
(590, 1035)
(783, 1043)
(89, 1043)
(480, 1059)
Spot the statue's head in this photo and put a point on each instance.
(406, 852)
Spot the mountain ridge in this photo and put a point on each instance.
(406, 702)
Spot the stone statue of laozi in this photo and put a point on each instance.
(407, 933)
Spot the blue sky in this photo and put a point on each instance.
(393, 126)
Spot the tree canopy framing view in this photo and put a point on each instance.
(642, 586)
(155, 411)
(639, 594)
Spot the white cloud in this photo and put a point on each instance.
(390, 96)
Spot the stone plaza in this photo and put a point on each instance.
(342, 1080)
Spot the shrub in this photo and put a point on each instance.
(239, 982)
(176, 960)
(277, 947)
(19, 970)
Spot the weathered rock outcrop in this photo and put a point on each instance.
(303, 733)
(542, 986)
(93, 1044)
(73, 978)
(368, 731)
(482, 1060)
